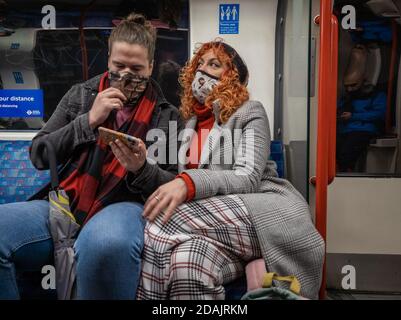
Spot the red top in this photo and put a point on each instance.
(205, 124)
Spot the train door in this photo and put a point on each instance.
(292, 78)
(363, 201)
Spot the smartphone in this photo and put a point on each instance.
(108, 135)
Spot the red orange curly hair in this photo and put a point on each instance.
(230, 91)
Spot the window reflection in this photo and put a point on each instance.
(367, 122)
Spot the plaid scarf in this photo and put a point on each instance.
(99, 176)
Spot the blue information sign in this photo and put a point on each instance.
(21, 103)
(229, 19)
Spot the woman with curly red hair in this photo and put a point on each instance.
(227, 206)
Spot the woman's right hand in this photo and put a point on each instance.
(165, 200)
(105, 102)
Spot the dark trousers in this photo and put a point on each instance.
(350, 146)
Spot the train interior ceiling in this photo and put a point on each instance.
(370, 82)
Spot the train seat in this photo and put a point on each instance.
(18, 177)
(20, 180)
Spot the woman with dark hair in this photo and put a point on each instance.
(227, 206)
(167, 78)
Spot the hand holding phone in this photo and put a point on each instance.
(108, 135)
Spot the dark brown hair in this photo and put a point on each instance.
(135, 29)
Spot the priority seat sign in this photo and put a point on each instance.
(229, 19)
(21, 103)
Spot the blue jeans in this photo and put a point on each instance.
(108, 249)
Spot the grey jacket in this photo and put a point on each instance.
(235, 160)
(69, 131)
(235, 156)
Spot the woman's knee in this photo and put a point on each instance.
(194, 263)
(22, 223)
(115, 233)
(107, 247)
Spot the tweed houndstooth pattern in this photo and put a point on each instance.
(289, 241)
(205, 245)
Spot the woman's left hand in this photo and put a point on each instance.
(165, 200)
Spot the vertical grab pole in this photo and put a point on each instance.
(333, 100)
(325, 68)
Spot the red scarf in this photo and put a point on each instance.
(99, 176)
(205, 122)
(205, 119)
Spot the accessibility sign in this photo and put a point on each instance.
(21, 103)
(229, 19)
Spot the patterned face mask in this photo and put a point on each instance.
(131, 85)
(203, 85)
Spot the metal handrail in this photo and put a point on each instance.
(333, 100)
(327, 100)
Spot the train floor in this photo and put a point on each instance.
(346, 295)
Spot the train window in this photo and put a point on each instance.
(369, 92)
(43, 64)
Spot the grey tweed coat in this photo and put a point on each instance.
(235, 160)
